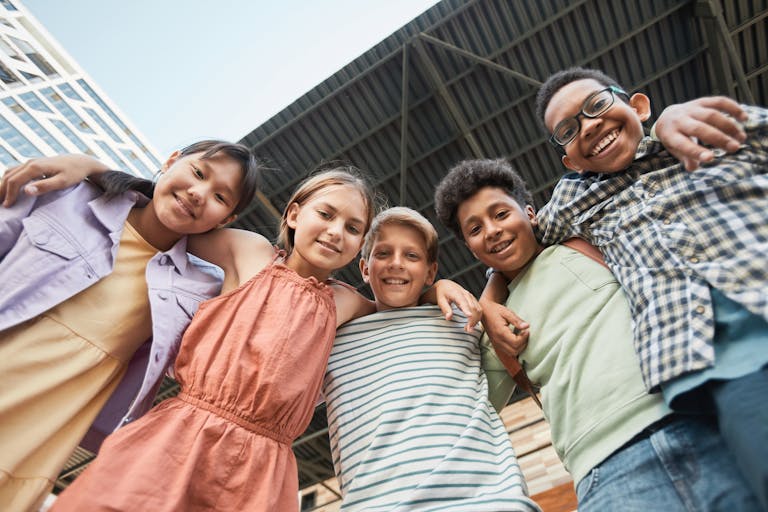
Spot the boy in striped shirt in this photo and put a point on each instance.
(410, 423)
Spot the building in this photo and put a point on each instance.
(49, 105)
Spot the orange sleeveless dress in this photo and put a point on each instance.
(250, 367)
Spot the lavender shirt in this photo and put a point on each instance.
(57, 245)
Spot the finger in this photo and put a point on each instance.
(511, 318)
(718, 130)
(725, 104)
(445, 306)
(45, 185)
(682, 147)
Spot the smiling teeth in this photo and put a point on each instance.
(605, 142)
(500, 247)
(395, 281)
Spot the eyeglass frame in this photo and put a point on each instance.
(614, 90)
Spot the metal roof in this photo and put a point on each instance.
(459, 82)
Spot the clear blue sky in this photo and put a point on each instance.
(183, 70)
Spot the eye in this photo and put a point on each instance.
(220, 198)
(502, 214)
(353, 229)
(381, 254)
(197, 172)
(413, 256)
(473, 230)
(567, 131)
(324, 214)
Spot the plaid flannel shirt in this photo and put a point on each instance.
(669, 235)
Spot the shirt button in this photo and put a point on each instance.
(700, 310)
(163, 296)
(693, 259)
(165, 259)
(667, 222)
(652, 193)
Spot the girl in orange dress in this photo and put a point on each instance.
(250, 368)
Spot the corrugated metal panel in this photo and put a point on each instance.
(462, 108)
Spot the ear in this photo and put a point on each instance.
(364, 271)
(642, 105)
(171, 160)
(226, 221)
(292, 215)
(569, 164)
(531, 213)
(431, 273)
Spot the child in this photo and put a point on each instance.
(688, 248)
(250, 367)
(601, 418)
(88, 276)
(409, 419)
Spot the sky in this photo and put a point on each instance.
(185, 70)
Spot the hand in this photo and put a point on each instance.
(447, 292)
(508, 332)
(685, 128)
(41, 175)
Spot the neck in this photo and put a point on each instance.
(511, 274)
(295, 262)
(145, 222)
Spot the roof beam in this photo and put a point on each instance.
(404, 129)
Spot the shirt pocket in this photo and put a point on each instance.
(590, 273)
(42, 235)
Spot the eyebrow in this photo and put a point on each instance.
(337, 210)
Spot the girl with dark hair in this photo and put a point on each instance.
(88, 277)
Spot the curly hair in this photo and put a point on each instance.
(562, 78)
(466, 178)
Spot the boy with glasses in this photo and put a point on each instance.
(688, 248)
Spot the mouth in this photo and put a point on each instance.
(184, 206)
(394, 281)
(329, 246)
(500, 247)
(605, 142)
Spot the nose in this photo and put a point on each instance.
(196, 194)
(590, 125)
(492, 231)
(396, 261)
(335, 228)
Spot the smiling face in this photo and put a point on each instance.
(398, 268)
(329, 229)
(498, 231)
(195, 194)
(606, 143)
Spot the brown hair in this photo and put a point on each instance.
(402, 216)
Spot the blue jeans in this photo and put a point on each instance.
(684, 466)
(742, 412)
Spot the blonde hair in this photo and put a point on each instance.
(402, 216)
(345, 175)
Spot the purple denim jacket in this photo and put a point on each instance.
(54, 246)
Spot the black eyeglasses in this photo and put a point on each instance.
(595, 105)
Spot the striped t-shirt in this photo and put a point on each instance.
(409, 419)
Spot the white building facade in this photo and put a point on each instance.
(49, 106)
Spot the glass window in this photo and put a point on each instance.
(6, 75)
(66, 110)
(13, 137)
(8, 5)
(111, 153)
(102, 123)
(34, 125)
(9, 50)
(117, 120)
(137, 163)
(6, 158)
(69, 91)
(35, 102)
(34, 56)
(77, 141)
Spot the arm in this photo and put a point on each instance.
(444, 292)
(508, 332)
(240, 253)
(685, 128)
(350, 304)
(46, 175)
